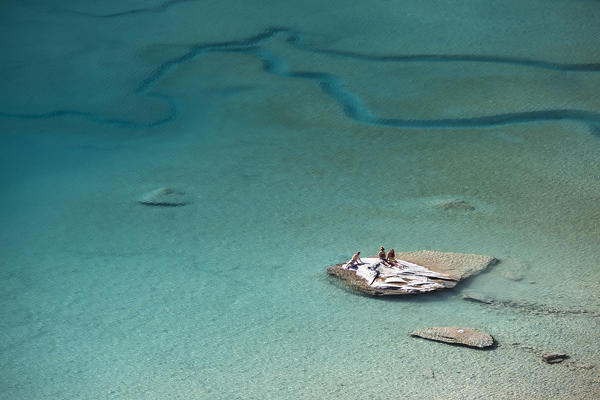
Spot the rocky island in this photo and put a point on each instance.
(417, 272)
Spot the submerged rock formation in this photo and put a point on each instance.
(464, 336)
(164, 197)
(532, 308)
(418, 272)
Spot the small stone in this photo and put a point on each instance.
(164, 197)
(553, 358)
(464, 336)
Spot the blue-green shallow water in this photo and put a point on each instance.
(302, 132)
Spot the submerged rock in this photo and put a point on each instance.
(457, 205)
(553, 358)
(419, 272)
(477, 297)
(464, 336)
(164, 197)
(514, 270)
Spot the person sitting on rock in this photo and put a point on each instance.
(355, 260)
(391, 258)
(382, 257)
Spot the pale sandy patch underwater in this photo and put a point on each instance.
(105, 298)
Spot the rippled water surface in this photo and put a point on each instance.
(301, 132)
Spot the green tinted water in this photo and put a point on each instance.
(228, 297)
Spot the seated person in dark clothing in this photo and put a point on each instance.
(382, 257)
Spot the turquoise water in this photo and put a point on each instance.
(303, 132)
